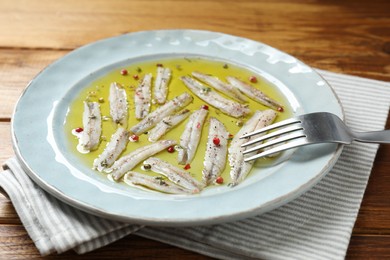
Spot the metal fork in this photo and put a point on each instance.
(321, 127)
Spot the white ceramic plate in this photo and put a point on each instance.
(40, 145)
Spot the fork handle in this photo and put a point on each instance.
(373, 137)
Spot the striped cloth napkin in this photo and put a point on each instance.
(317, 225)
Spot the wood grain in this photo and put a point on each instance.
(15, 244)
(342, 36)
(369, 247)
(6, 150)
(17, 68)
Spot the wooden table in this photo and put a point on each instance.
(342, 36)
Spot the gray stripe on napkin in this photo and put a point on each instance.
(318, 224)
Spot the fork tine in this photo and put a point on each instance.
(282, 139)
(271, 127)
(273, 134)
(294, 144)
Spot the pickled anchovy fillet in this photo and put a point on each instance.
(161, 84)
(215, 156)
(221, 86)
(254, 93)
(92, 123)
(143, 97)
(239, 169)
(118, 104)
(227, 106)
(190, 138)
(157, 115)
(174, 174)
(154, 183)
(167, 124)
(129, 161)
(113, 149)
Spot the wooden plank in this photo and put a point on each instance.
(6, 150)
(324, 35)
(67, 24)
(369, 247)
(342, 36)
(18, 67)
(7, 212)
(16, 244)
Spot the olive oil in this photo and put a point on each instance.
(130, 76)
